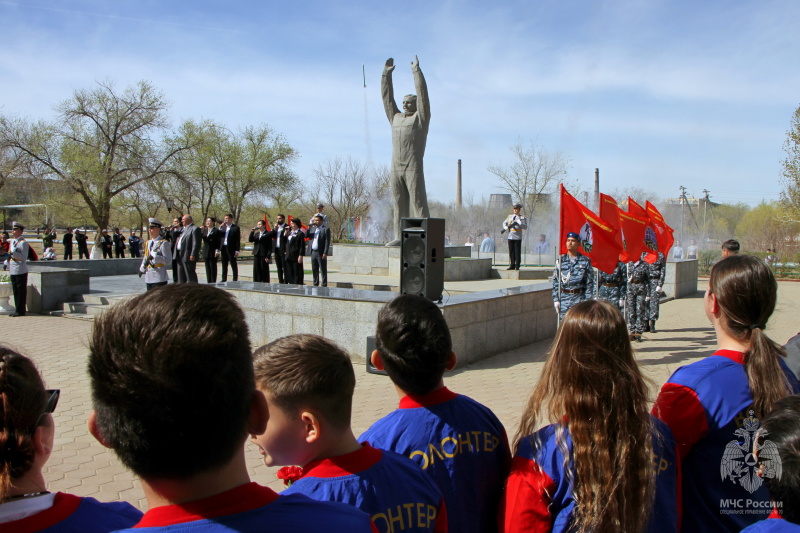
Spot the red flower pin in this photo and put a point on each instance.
(289, 474)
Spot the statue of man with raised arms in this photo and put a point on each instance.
(409, 135)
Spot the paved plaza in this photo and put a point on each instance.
(82, 466)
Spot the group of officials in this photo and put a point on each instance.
(181, 245)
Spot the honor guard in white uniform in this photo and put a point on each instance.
(157, 257)
(514, 224)
(319, 213)
(18, 251)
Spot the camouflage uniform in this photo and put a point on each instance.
(636, 308)
(658, 272)
(612, 286)
(577, 281)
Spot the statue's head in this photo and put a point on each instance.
(410, 104)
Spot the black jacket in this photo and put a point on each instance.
(262, 246)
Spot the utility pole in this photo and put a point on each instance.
(683, 201)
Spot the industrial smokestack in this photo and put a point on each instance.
(597, 190)
(458, 187)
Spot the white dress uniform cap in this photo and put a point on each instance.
(155, 223)
(17, 225)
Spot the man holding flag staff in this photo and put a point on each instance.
(573, 277)
(514, 224)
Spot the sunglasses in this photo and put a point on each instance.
(52, 400)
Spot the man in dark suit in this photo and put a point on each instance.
(107, 244)
(188, 247)
(262, 249)
(174, 233)
(319, 246)
(211, 249)
(279, 245)
(83, 247)
(119, 244)
(231, 239)
(66, 240)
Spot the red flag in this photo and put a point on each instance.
(650, 238)
(266, 223)
(598, 237)
(664, 232)
(609, 211)
(633, 229)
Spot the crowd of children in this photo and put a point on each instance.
(177, 391)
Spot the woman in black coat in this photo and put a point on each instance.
(295, 250)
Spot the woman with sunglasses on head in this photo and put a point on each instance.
(713, 405)
(27, 432)
(601, 463)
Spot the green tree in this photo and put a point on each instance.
(102, 143)
(766, 226)
(256, 160)
(790, 177)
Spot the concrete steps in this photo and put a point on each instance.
(92, 304)
(523, 274)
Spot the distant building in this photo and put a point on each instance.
(500, 201)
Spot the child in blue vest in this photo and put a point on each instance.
(601, 463)
(308, 384)
(174, 397)
(457, 441)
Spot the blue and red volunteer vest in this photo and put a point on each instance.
(539, 496)
(71, 513)
(707, 405)
(460, 443)
(390, 488)
(774, 524)
(251, 507)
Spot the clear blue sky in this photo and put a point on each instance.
(655, 93)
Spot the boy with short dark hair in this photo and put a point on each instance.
(308, 384)
(172, 387)
(459, 442)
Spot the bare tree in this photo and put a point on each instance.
(344, 185)
(534, 172)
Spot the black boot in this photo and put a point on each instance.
(647, 326)
(652, 326)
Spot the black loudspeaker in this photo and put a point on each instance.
(422, 257)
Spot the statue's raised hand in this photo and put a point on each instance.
(415, 63)
(389, 66)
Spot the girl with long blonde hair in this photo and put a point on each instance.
(601, 463)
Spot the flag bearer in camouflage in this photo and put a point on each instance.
(573, 277)
(636, 304)
(613, 286)
(658, 272)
